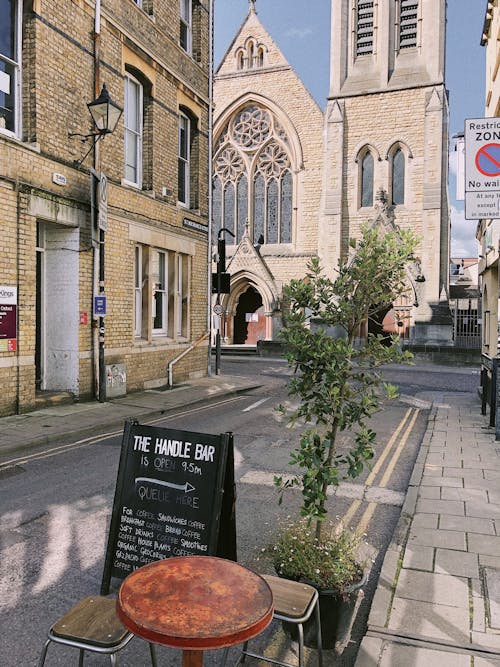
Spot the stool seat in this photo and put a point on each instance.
(291, 598)
(92, 625)
(294, 602)
(94, 621)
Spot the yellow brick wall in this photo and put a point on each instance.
(58, 81)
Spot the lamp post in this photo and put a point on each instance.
(105, 114)
(221, 288)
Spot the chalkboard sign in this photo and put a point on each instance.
(169, 498)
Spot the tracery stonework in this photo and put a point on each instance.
(251, 127)
(253, 180)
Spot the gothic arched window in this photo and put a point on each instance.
(398, 177)
(252, 154)
(367, 180)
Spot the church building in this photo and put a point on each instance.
(291, 180)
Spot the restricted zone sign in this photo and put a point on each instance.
(482, 168)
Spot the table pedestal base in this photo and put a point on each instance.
(192, 658)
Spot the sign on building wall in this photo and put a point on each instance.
(482, 168)
(8, 318)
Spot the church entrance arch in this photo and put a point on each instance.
(249, 319)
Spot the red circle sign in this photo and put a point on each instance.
(488, 160)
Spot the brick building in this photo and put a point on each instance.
(54, 58)
(305, 179)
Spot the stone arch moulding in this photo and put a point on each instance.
(362, 148)
(297, 155)
(240, 282)
(396, 143)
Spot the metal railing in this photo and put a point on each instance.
(182, 355)
(466, 327)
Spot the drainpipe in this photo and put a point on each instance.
(210, 177)
(97, 249)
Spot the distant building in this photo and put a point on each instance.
(292, 181)
(153, 57)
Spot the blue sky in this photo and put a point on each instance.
(302, 31)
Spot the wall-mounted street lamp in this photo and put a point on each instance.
(105, 114)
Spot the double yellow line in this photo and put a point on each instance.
(370, 510)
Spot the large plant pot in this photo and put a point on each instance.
(337, 617)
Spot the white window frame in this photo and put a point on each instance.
(138, 3)
(16, 64)
(131, 83)
(138, 284)
(186, 22)
(184, 161)
(163, 290)
(179, 285)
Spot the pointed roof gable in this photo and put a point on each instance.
(252, 31)
(247, 257)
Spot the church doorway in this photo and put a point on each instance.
(249, 320)
(382, 323)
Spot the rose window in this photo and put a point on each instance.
(251, 127)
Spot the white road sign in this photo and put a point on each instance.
(482, 168)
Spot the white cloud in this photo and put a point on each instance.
(463, 235)
(299, 33)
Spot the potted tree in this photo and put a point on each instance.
(338, 383)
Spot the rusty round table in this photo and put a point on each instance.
(195, 603)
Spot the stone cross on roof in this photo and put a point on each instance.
(252, 5)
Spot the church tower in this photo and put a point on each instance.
(386, 143)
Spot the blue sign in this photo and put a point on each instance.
(100, 305)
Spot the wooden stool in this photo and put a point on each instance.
(294, 602)
(92, 625)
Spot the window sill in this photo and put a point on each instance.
(9, 136)
(130, 184)
(158, 340)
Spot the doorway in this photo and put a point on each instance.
(57, 308)
(381, 324)
(249, 320)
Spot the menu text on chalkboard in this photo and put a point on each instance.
(168, 497)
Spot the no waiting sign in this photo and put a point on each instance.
(482, 168)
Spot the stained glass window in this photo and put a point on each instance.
(217, 206)
(258, 208)
(229, 207)
(242, 210)
(272, 212)
(398, 177)
(286, 208)
(367, 180)
(252, 153)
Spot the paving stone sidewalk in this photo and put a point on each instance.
(438, 596)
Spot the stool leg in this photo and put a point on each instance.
(114, 661)
(301, 644)
(243, 653)
(152, 650)
(319, 639)
(80, 660)
(44, 653)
